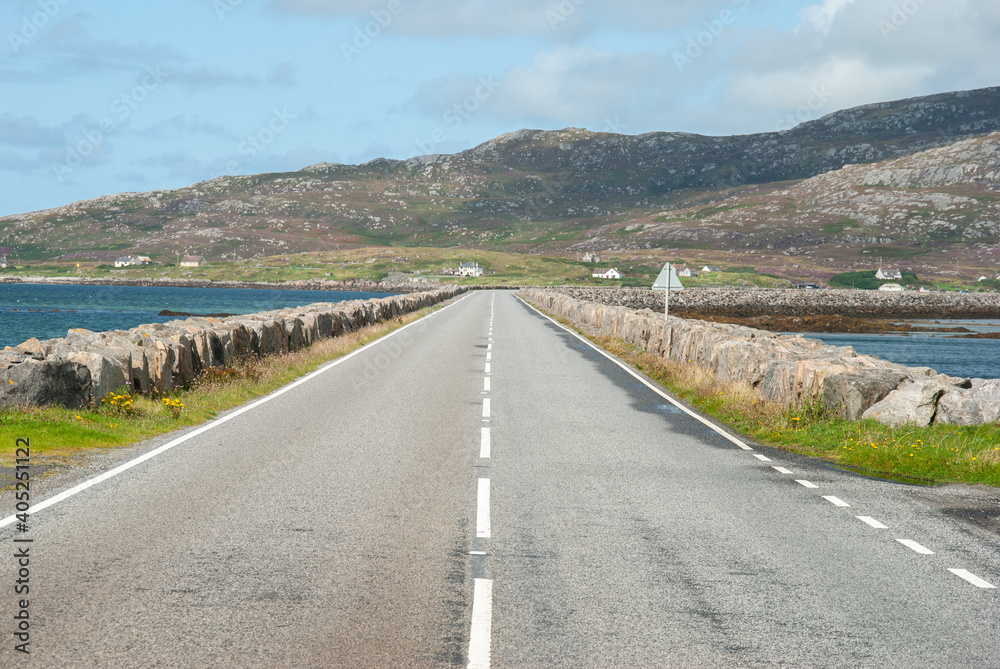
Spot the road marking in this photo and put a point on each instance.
(483, 510)
(806, 483)
(762, 458)
(643, 381)
(913, 545)
(489, 355)
(487, 368)
(836, 501)
(477, 552)
(482, 624)
(973, 579)
(486, 384)
(484, 443)
(89, 483)
(486, 408)
(781, 470)
(489, 347)
(871, 521)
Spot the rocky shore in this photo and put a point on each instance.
(750, 303)
(85, 366)
(787, 369)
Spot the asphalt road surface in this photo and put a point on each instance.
(482, 488)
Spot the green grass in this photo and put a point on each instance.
(60, 436)
(921, 455)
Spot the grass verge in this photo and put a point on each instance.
(919, 455)
(61, 436)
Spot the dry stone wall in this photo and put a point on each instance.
(85, 366)
(790, 368)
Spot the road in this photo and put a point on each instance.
(483, 488)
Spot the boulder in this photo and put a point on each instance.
(42, 382)
(108, 370)
(977, 405)
(915, 402)
(849, 394)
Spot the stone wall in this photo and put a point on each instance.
(789, 302)
(85, 366)
(786, 369)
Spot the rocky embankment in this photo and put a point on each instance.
(85, 366)
(749, 303)
(787, 369)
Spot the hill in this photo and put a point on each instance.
(917, 194)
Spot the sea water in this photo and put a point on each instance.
(47, 311)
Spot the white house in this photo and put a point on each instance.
(888, 274)
(684, 271)
(891, 288)
(470, 269)
(591, 257)
(3, 262)
(608, 274)
(125, 261)
(193, 261)
(711, 268)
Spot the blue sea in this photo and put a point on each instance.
(974, 358)
(47, 311)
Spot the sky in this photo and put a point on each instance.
(105, 96)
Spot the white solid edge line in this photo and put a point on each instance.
(482, 624)
(805, 483)
(483, 510)
(486, 407)
(781, 470)
(89, 483)
(644, 382)
(484, 443)
(914, 546)
(762, 458)
(973, 579)
(871, 521)
(836, 501)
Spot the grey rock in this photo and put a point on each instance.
(913, 403)
(849, 394)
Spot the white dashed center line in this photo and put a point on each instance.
(781, 470)
(973, 579)
(486, 408)
(486, 384)
(836, 501)
(484, 443)
(489, 356)
(483, 510)
(488, 368)
(762, 458)
(871, 521)
(914, 546)
(806, 483)
(482, 624)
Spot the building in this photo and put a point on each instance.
(711, 268)
(3, 262)
(684, 271)
(591, 257)
(608, 274)
(888, 274)
(193, 261)
(891, 288)
(128, 261)
(470, 269)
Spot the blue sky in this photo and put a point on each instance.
(104, 96)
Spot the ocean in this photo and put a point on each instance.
(47, 311)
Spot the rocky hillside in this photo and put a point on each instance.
(562, 191)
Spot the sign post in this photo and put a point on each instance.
(667, 281)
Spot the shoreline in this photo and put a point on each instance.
(347, 285)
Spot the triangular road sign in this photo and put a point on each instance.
(661, 280)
